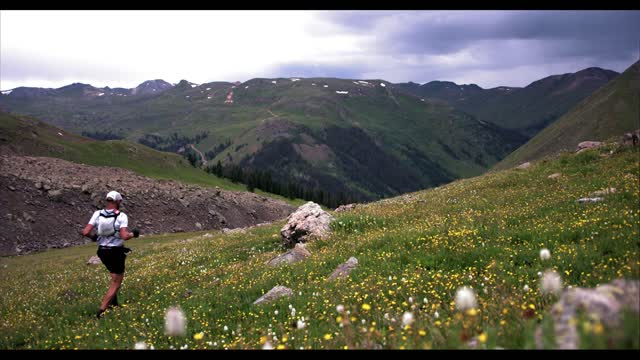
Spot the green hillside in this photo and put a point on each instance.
(366, 138)
(413, 251)
(526, 110)
(27, 136)
(609, 112)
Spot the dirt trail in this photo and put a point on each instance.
(202, 157)
(269, 118)
(392, 96)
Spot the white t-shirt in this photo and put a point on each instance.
(122, 221)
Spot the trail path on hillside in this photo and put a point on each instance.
(202, 157)
(269, 118)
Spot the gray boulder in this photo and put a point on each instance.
(54, 195)
(94, 260)
(343, 270)
(298, 253)
(603, 304)
(602, 192)
(589, 199)
(348, 207)
(309, 221)
(524, 166)
(588, 145)
(273, 294)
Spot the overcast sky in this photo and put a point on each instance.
(489, 48)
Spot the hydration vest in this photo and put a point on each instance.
(107, 223)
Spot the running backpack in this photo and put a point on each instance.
(107, 223)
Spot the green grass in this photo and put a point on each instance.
(27, 136)
(609, 112)
(485, 232)
(525, 110)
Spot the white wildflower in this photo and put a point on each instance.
(141, 346)
(551, 283)
(545, 254)
(407, 318)
(465, 299)
(175, 323)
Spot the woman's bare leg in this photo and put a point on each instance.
(116, 282)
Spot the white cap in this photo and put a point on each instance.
(114, 195)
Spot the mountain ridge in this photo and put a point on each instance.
(611, 111)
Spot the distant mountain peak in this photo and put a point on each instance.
(151, 87)
(597, 72)
(76, 85)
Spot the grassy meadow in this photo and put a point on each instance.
(414, 252)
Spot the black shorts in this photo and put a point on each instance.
(113, 258)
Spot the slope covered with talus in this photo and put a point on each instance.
(609, 112)
(413, 252)
(48, 201)
(21, 135)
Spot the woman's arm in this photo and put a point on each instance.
(125, 234)
(87, 230)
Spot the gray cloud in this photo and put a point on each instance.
(21, 66)
(425, 44)
(346, 71)
(490, 48)
(602, 34)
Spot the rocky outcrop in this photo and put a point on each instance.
(94, 260)
(524, 166)
(309, 221)
(273, 294)
(344, 208)
(588, 145)
(554, 176)
(298, 253)
(61, 196)
(631, 138)
(343, 270)
(603, 192)
(604, 304)
(589, 199)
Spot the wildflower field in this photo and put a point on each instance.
(484, 235)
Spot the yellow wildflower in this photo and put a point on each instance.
(482, 338)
